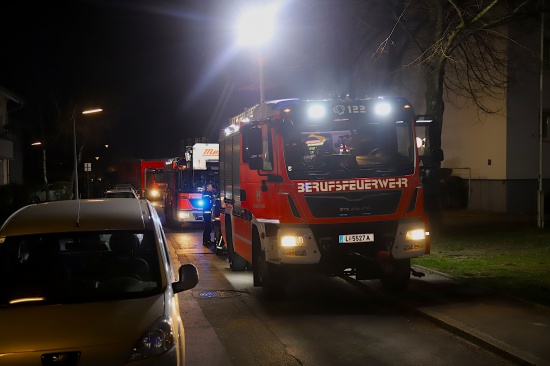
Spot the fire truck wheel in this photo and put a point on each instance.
(236, 262)
(273, 284)
(396, 275)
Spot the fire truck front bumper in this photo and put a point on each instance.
(294, 245)
(331, 243)
(189, 215)
(411, 240)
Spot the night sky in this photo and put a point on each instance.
(163, 71)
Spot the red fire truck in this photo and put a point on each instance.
(331, 185)
(147, 176)
(185, 178)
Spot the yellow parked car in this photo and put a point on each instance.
(89, 282)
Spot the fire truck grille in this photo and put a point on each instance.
(327, 235)
(335, 256)
(351, 204)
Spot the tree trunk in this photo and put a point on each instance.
(435, 107)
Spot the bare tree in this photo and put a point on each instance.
(461, 47)
(457, 47)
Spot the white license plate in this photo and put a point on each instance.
(356, 238)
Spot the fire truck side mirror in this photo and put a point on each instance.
(430, 155)
(254, 142)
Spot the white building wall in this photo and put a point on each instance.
(475, 141)
(475, 148)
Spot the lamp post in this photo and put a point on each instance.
(88, 111)
(254, 29)
(44, 171)
(540, 192)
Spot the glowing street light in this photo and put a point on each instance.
(97, 110)
(88, 111)
(255, 28)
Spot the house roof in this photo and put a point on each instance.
(11, 96)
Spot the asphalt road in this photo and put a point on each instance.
(321, 321)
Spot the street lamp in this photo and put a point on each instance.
(44, 171)
(255, 28)
(88, 111)
(540, 192)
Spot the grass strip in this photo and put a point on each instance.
(514, 262)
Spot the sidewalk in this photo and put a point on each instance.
(515, 329)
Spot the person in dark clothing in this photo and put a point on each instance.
(208, 198)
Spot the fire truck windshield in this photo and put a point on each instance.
(155, 176)
(194, 181)
(372, 150)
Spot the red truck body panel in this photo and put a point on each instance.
(147, 176)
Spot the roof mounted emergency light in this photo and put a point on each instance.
(316, 111)
(229, 130)
(382, 109)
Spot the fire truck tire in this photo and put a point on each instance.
(396, 275)
(272, 282)
(236, 262)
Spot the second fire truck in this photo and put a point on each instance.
(332, 186)
(146, 176)
(185, 178)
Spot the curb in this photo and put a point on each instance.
(472, 335)
(481, 339)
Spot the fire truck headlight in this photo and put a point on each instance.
(418, 234)
(382, 109)
(155, 193)
(316, 111)
(183, 215)
(292, 241)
